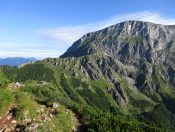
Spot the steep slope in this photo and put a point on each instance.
(139, 54)
(131, 39)
(81, 104)
(145, 46)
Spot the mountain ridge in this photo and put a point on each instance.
(117, 31)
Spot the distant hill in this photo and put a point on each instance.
(16, 61)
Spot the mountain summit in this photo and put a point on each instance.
(131, 42)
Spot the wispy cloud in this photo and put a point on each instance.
(66, 35)
(57, 40)
(40, 54)
(12, 49)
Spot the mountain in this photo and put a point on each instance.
(140, 52)
(137, 58)
(16, 61)
(121, 78)
(131, 39)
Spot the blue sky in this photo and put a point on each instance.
(46, 28)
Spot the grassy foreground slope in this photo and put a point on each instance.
(88, 99)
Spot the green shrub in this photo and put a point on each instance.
(29, 72)
(6, 100)
(26, 106)
(42, 94)
(34, 72)
(66, 86)
(94, 119)
(159, 116)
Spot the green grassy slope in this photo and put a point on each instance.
(90, 99)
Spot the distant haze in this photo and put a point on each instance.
(16, 61)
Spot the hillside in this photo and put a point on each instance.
(121, 78)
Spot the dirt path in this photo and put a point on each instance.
(8, 122)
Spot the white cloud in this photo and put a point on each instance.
(28, 53)
(57, 40)
(66, 35)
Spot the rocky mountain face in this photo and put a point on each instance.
(130, 42)
(138, 58)
(138, 50)
(135, 60)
